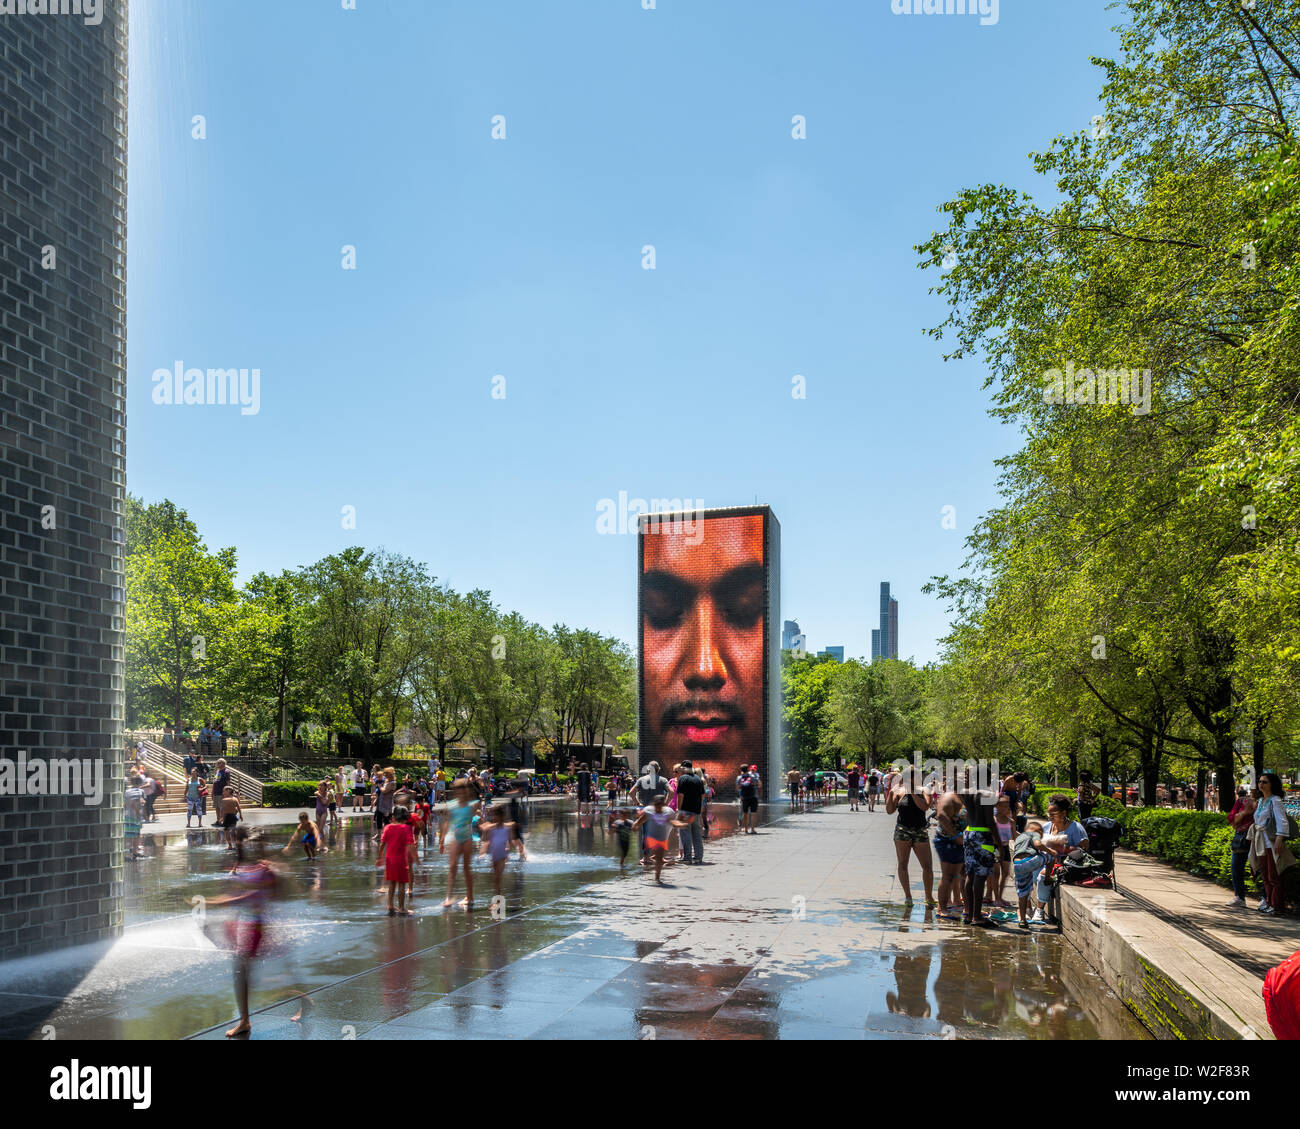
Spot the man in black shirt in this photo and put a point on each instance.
(584, 790)
(981, 842)
(219, 784)
(690, 807)
(748, 785)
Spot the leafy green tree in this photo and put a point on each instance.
(442, 677)
(180, 616)
(1157, 527)
(361, 631)
(805, 691)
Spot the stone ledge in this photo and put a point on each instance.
(1176, 986)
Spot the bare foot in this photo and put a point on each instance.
(241, 1028)
(304, 1006)
(447, 902)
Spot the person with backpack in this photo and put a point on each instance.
(156, 789)
(690, 808)
(1241, 818)
(1269, 854)
(748, 784)
(1086, 794)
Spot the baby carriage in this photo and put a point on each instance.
(1095, 867)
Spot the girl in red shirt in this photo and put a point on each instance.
(397, 855)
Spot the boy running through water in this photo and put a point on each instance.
(306, 833)
(622, 827)
(658, 821)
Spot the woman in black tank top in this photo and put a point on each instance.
(910, 833)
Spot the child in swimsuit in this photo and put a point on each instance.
(1027, 859)
(396, 856)
(622, 826)
(460, 822)
(497, 842)
(306, 833)
(230, 811)
(658, 822)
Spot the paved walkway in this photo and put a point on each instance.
(1201, 908)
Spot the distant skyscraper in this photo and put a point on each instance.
(789, 630)
(837, 653)
(884, 642)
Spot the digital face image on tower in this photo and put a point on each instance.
(707, 633)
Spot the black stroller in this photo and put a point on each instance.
(1097, 868)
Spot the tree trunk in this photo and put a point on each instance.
(1150, 768)
(1074, 768)
(1103, 757)
(1257, 748)
(1200, 788)
(1123, 785)
(1225, 764)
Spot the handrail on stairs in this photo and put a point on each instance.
(246, 787)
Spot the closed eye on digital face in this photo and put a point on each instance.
(739, 596)
(665, 599)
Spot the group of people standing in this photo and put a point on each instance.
(983, 839)
(681, 803)
(1260, 827)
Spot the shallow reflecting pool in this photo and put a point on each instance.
(575, 949)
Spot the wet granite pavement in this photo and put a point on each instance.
(796, 932)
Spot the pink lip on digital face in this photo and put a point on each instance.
(704, 733)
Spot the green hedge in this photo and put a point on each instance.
(1104, 806)
(288, 793)
(1196, 841)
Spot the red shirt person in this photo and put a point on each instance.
(1282, 997)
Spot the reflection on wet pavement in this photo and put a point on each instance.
(797, 932)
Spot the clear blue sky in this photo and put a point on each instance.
(522, 257)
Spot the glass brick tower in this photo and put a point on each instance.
(63, 99)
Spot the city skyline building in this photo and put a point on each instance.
(884, 639)
(63, 104)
